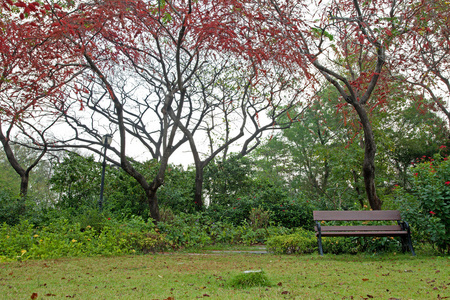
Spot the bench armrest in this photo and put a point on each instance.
(319, 229)
(404, 225)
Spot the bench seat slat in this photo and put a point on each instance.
(365, 233)
(362, 228)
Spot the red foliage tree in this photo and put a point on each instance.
(30, 78)
(423, 60)
(348, 42)
(166, 45)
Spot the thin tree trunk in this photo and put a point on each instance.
(24, 178)
(370, 149)
(152, 200)
(198, 199)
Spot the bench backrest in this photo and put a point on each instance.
(347, 215)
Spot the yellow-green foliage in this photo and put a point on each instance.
(63, 239)
(301, 242)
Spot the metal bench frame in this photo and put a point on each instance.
(401, 229)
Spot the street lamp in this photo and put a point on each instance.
(106, 142)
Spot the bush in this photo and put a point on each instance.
(427, 205)
(305, 242)
(340, 245)
(286, 213)
(11, 208)
(64, 239)
(300, 242)
(259, 218)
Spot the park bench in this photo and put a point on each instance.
(401, 228)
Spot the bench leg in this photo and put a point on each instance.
(410, 244)
(404, 244)
(319, 242)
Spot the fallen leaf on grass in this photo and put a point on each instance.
(284, 293)
(34, 296)
(50, 295)
(279, 284)
(369, 296)
(365, 279)
(205, 295)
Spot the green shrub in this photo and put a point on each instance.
(292, 213)
(300, 242)
(427, 205)
(11, 208)
(287, 213)
(340, 245)
(16, 240)
(305, 242)
(259, 218)
(64, 239)
(187, 230)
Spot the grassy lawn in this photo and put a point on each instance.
(206, 275)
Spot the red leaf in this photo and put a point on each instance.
(34, 296)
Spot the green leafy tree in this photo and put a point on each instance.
(77, 181)
(226, 180)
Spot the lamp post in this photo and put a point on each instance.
(106, 142)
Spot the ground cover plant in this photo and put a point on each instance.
(208, 274)
(94, 234)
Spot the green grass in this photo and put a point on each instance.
(206, 275)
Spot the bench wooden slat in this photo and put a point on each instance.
(365, 233)
(361, 228)
(375, 215)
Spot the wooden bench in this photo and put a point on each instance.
(400, 229)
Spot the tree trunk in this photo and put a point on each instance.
(24, 178)
(152, 200)
(14, 163)
(370, 149)
(198, 199)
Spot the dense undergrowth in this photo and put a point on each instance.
(110, 236)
